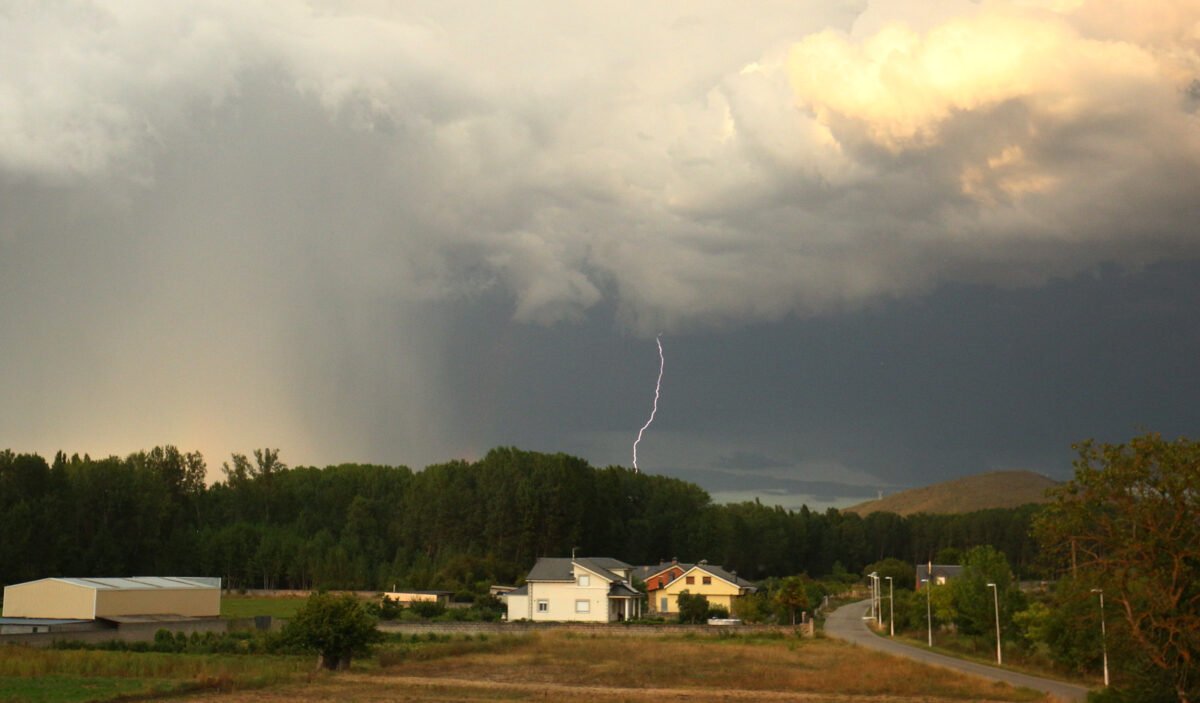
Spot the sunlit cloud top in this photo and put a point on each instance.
(231, 195)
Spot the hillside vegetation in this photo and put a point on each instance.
(995, 489)
(459, 526)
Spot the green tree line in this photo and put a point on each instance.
(456, 526)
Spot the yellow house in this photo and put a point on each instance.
(719, 586)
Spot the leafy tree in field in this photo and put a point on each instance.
(1129, 523)
(792, 595)
(337, 627)
(693, 608)
(750, 608)
(427, 609)
(974, 601)
(1069, 626)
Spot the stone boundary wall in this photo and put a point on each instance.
(373, 596)
(129, 632)
(144, 632)
(606, 629)
(298, 594)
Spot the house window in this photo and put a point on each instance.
(584, 580)
(663, 605)
(941, 580)
(583, 606)
(707, 580)
(543, 606)
(662, 583)
(691, 580)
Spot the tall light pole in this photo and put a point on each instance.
(996, 598)
(928, 610)
(1103, 634)
(891, 606)
(874, 594)
(879, 599)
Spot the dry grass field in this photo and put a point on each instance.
(603, 669)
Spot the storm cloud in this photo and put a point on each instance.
(366, 232)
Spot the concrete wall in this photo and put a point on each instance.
(605, 629)
(518, 606)
(134, 632)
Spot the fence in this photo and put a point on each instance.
(606, 629)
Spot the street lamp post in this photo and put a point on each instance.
(928, 610)
(891, 606)
(996, 598)
(1103, 634)
(874, 594)
(879, 599)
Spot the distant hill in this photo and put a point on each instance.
(996, 489)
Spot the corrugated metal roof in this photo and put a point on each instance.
(143, 583)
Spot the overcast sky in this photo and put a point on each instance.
(885, 243)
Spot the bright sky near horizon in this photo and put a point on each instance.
(886, 242)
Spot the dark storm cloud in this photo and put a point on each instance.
(409, 234)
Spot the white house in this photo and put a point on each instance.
(561, 589)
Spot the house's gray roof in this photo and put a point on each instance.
(728, 576)
(523, 590)
(620, 590)
(948, 570)
(604, 566)
(645, 572)
(551, 569)
(559, 568)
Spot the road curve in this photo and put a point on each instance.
(847, 623)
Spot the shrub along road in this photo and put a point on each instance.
(847, 623)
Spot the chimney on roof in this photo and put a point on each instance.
(703, 562)
(674, 561)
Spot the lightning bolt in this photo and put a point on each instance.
(657, 390)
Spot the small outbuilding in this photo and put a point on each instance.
(407, 598)
(113, 598)
(938, 574)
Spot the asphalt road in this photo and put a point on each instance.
(847, 623)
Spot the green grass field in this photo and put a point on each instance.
(248, 607)
(73, 689)
(35, 675)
